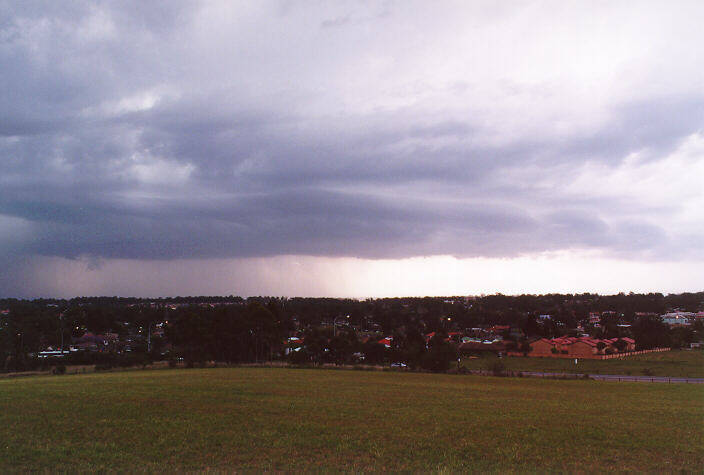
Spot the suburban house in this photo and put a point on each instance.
(387, 341)
(480, 347)
(583, 347)
(679, 319)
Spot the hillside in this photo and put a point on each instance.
(287, 419)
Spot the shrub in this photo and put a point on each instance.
(59, 369)
(439, 356)
(497, 367)
(84, 357)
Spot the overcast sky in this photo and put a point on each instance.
(350, 148)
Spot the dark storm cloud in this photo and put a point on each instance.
(128, 130)
(653, 125)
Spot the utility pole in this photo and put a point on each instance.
(334, 324)
(61, 318)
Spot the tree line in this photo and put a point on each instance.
(232, 329)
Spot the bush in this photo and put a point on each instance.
(497, 367)
(59, 369)
(84, 357)
(102, 367)
(439, 356)
(131, 359)
(299, 357)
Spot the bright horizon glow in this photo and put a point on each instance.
(344, 277)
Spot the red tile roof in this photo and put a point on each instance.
(385, 341)
(572, 340)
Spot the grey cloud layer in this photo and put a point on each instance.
(128, 131)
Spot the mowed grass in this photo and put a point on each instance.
(294, 420)
(676, 363)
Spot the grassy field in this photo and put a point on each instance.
(676, 363)
(293, 420)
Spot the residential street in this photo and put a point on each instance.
(618, 377)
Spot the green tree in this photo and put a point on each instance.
(342, 346)
(440, 355)
(620, 345)
(650, 332)
(189, 332)
(374, 352)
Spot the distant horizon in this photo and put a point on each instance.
(400, 297)
(353, 277)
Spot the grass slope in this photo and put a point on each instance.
(676, 363)
(286, 419)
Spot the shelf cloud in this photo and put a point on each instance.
(377, 131)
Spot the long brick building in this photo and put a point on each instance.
(583, 347)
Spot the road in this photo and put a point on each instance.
(618, 377)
